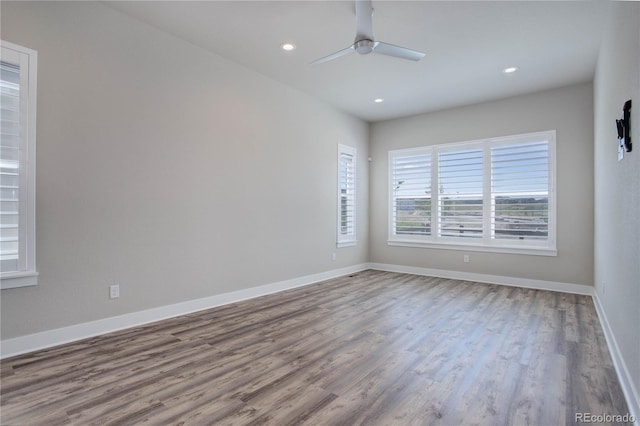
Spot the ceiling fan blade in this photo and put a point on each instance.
(364, 20)
(364, 42)
(387, 49)
(335, 55)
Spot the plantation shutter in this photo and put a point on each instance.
(411, 194)
(520, 191)
(460, 180)
(346, 194)
(10, 230)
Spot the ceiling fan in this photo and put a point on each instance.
(364, 42)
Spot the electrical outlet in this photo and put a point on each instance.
(465, 258)
(333, 256)
(604, 288)
(114, 291)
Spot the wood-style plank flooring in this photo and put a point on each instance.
(374, 348)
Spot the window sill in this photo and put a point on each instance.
(18, 279)
(346, 244)
(534, 251)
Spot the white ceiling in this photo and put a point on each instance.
(554, 43)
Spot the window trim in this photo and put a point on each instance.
(486, 243)
(28, 275)
(349, 239)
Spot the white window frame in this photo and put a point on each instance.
(27, 59)
(486, 243)
(346, 239)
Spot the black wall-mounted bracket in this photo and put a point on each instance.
(624, 127)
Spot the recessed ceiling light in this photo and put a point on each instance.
(378, 100)
(510, 70)
(288, 46)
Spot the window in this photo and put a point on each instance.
(460, 198)
(346, 196)
(411, 183)
(17, 165)
(490, 195)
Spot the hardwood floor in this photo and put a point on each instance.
(374, 348)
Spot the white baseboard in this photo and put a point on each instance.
(631, 393)
(490, 279)
(59, 336)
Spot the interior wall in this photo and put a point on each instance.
(617, 184)
(567, 110)
(168, 170)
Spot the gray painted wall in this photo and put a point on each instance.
(617, 184)
(567, 110)
(168, 170)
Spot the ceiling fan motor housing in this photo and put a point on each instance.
(363, 47)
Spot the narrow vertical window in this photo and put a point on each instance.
(346, 196)
(17, 165)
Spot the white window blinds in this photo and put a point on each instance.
(346, 195)
(520, 191)
(17, 168)
(10, 166)
(411, 193)
(497, 194)
(460, 193)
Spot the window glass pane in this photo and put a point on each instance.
(346, 194)
(460, 193)
(9, 164)
(520, 187)
(347, 182)
(411, 186)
